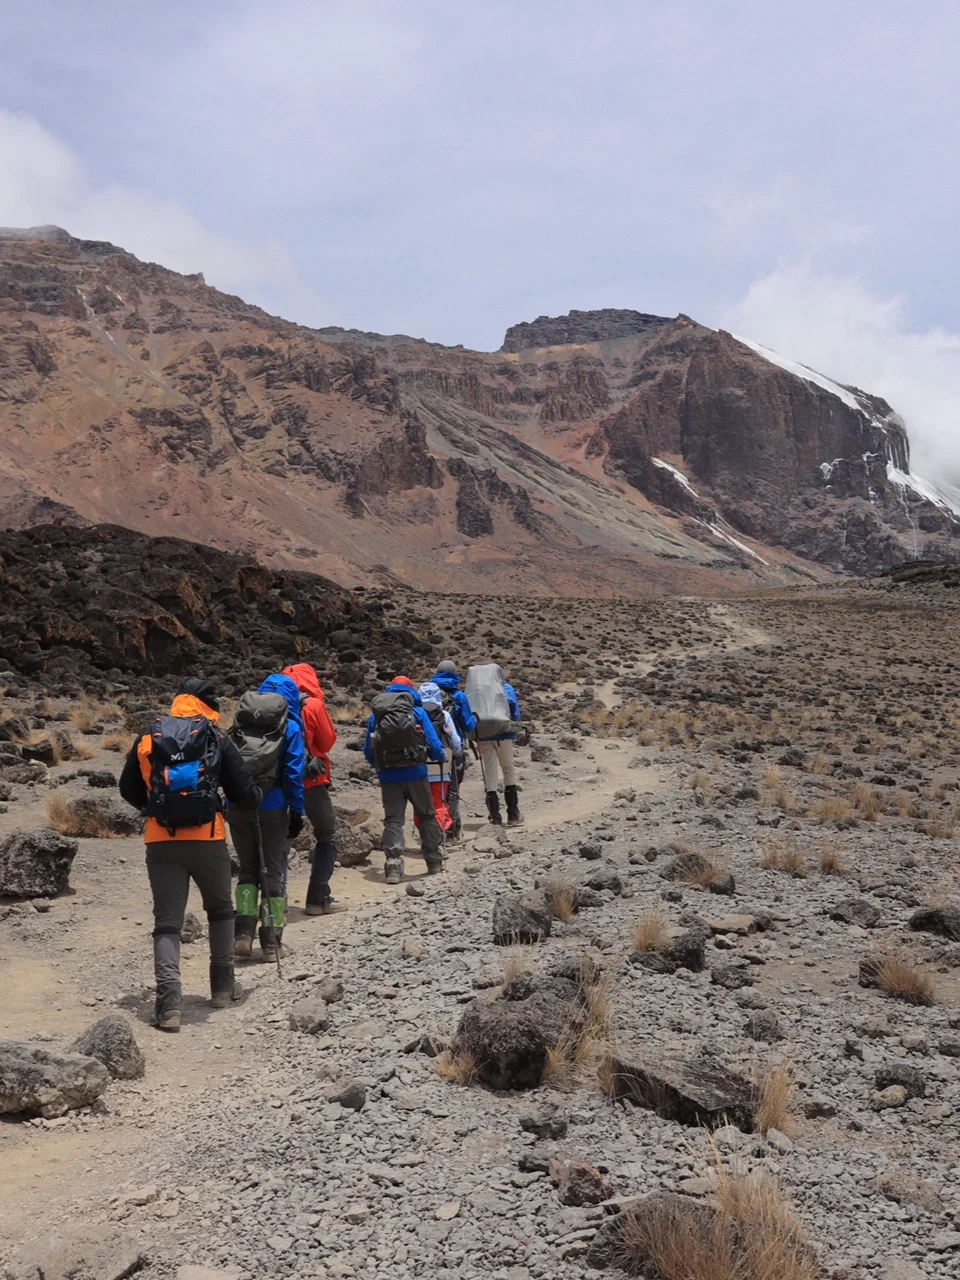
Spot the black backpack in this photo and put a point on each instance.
(436, 719)
(185, 764)
(397, 740)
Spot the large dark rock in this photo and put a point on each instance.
(508, 1038)
(684, 866)
(580, 327)
(944, 921)
(98, 817)
(523, 919)
(39, 1082)
(111, 1041)
(903, 1073)
(36, 864)
(856, 911)
(699, 1092)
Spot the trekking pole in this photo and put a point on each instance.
(266, 914)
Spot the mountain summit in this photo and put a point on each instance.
(597, 453)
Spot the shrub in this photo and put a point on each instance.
(904, 981)
(650, 933)
(830, 861)
(562, 899)
(774, 1096)
(459, 1067)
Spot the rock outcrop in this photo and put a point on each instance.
(36, 864)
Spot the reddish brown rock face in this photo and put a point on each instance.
(621, 453)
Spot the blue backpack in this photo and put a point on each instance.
(184, 772)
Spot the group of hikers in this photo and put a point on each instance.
(273, 769)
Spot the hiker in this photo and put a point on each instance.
(497, 709)
(447, 678)
(172, 774)
(441, 776)
(400, 740)
(268, 734)
(319, 734)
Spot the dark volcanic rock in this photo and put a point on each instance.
(691, 1092)
(624, 1240)
(111, 1041)
(944, 921)
(36, 864)
(856, 911)
(521, 919)
(508, 1039)
(579, 326)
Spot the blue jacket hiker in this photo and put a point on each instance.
(269, 733)
(455, 700)
(400, 740)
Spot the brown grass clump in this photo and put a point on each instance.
(903, 980)
(86, 714)
(456, 1065)
(771, 777)
(514, 961)
(783, 856)
(831, 863)
(774, 1097)
(868, 803)
(566, 1060)
(63, 818)
(705, 875)
(81, 750)
(115, 742)
(751, 1234)
(818, 763)
(701, 781)
(650, 933)
(562, 899)
(835, 809)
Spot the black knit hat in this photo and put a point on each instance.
(202, 689)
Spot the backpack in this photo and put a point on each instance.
(185, 764)
(259, 733)
(487, 696)
(397, 738)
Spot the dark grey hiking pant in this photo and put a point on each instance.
(171, 865)
(319, 808)
(395, 796)
(274, 824)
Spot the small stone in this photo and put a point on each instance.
(279, 1244)
(356, 1214)
(816, 1107)
(949, 1046)
(192, 928)
(763, 1025)
(143, 1195)
(415, 890)
(944, 1241)
(309, 1016)
(352, 1096)
(446, 1212)
(578, 1184)
(330, 990)
(884, 1099)
(722, 883)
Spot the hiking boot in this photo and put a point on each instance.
(328, 908)
(393, 871)
(244, 930)
(493, 808)
(224, 990)
(434, 868)
(313, 909)
(512, 797)
(268, 951)
(166, 1011)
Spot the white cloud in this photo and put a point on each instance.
(838, 326)
(43, 182)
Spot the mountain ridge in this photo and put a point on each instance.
(642, 455)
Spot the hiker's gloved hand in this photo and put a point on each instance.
(257, 797)
(295, 827)
(314, 768)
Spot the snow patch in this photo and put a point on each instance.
(942, 495)
(810, 375)
(732, 541)
(665, 466)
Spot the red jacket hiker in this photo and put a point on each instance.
(319, 731)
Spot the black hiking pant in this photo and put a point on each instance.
(319, 809)
(171, 865)
(274, 824)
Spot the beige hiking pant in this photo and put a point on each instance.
(497, 758)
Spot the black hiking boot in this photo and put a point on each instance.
(244, 929)
(493, 808)
(512, 797)
(224, 990)
(268, 952)
(166, 1011)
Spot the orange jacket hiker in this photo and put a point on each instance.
(234, 777)
(319, 731)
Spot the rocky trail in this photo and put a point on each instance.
(723, 840)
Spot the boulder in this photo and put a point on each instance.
(99, 817)
(192, 930)
(309, 1015)
(731, 976)
(902, 1073)
(579, 1184)
(545, 1123)
(519, 919)
(684, 866)
(684, 950)
(353, 841)
(40, 1082)
(856, 911)
(692, 1092)
(353, 1096)
(22, 772)
(763, 1025)
(944, 921)
(722, 883)
(79, 1253)
(36, 864)
(111, 1041)
(508, 1039)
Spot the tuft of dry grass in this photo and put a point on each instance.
(783, 856)
(835, 809)
(705, 874)
(751, 1233)
(868, 803)
(650, 933)
(772, 777)
(562, 898)
(566, 1060)
(88, 713)
(115, 742)
(456, 1065)
(63, 818)
(81, 750)
(775, 1090)
(818, 764)
(903, 980)
(831, 863)
(514, 961)
(701, 781)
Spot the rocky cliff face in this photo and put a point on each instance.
(597, 453)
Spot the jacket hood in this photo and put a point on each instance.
(305, 678)
(187, 705)
(430, 694)
(446, 680)
(405, 688)
(287, 689)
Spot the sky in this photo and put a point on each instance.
(447, 169)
